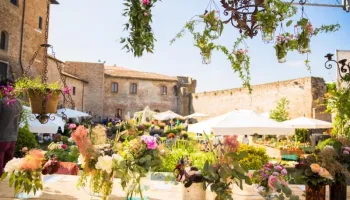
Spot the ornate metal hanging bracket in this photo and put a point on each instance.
(343, 68)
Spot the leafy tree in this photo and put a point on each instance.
(280, 113)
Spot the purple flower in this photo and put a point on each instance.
(278, 168)
(284, 172)
(150, 141)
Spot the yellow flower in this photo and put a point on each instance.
(325, 174)
(315, 168)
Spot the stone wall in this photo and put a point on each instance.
(302, 94)
(11, 22)
(186, 87)
(148, 94)
(94, 90)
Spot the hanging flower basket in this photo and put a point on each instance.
(42, 103)
(267, 36)
(304, 30)
(214, 25)
(206, 58)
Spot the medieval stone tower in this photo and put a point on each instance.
(22, 30)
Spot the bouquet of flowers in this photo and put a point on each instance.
(25, 173)
(96, 166)
(272, 178)
(134, 159)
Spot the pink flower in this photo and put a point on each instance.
(345, 152)
(347, 148)
(72, 126)
(64, 146)
(284, 172)
(145, 2)
(67, 90)
(150, 141)
(272, 181)
(278, 168)
(145, 14)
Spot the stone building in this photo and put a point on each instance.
(22, 25)
(302, 93)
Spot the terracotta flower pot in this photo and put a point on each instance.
(42, 103)
(315, 193)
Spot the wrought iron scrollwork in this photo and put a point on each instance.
(343, 68)
(242, 15)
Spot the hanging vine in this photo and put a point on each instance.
(141, 36)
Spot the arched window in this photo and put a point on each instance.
(133, 88)
(4, 39)
(119, 113)
(164, 90)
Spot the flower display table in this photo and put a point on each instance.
(63, 187)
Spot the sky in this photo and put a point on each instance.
(90, 30)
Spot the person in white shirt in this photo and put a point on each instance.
(245, 140)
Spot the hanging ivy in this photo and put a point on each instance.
(141, 36)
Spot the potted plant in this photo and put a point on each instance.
(284, 43)
(315, 177)
(205, 48)
(304, 31)
(25, 175)
(272, 182)
(193, 181)
(213, 24)
(43, 98)
(240, 56)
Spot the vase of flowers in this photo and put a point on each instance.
(25, 175)
(284, 43)
(315, 177)
(193, 181)
(304, 31)
(272, 182)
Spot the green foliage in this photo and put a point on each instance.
(25, 139)
(301, 135)
(69, 155)
(330, 142)
(24, 83)
(141, 36)
(285, 43)
(280, 113)
(327, 29)
(25, 181)
(255, 159)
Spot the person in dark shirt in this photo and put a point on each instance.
(10, 116)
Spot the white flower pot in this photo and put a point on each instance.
(194, 192)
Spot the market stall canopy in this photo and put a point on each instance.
(145, 114)
(307, 123)
(167, 115)
(248, 122)
(196, 115)
(72, 113)
(266, 115)
(206, 125)
(36, 127)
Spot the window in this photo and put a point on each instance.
(14, 2)
(4, 40)
(3, 70)
(175, 90)
(156, 110)
(133, 88)
(40, 23)
(164, 90)
(73, 90)
(119, 113)
(115, 87)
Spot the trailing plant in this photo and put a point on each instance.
(141, 36)
(285, 43)
(24, 83)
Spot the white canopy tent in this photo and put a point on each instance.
(167, 115)
(196, 115)
(206, 125)
(307, 123)
(266, 115)
(248, 122)
(72, 113)
(36, 127)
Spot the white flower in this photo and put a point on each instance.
(81, 159)
(328, 147)
(117, 157)
(105, 163)
(13, 165)
(70, 139)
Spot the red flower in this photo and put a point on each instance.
(64, 146)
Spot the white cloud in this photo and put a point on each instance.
(296, 63)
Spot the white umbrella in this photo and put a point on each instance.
(167, 115)
(248, 122)
(266, 115)
(195, 115)
(72, 113)
(206, 125)
(36, 127)
(307, 123)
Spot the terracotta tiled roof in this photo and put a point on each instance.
(128, 73)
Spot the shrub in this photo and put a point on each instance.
(331, 142)
(25, 139)
(64, 139)
(256, 158)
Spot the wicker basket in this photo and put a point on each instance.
(36, 99)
